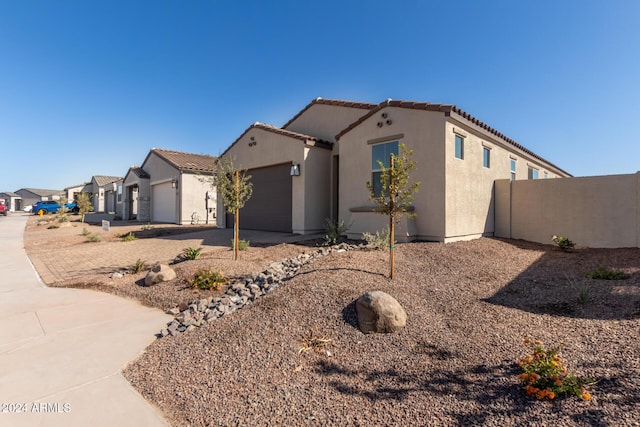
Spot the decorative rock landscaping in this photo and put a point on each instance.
(244, 292)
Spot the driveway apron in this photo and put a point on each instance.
(62, 351)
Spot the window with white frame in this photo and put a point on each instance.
(513, 169)
(459, 148)
(380, 154)
(486, 157)
(119, 192)
(532, 173)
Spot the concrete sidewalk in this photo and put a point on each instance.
(62, 350)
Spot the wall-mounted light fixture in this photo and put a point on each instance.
(295, 169)
(174, 183)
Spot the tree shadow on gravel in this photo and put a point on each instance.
(481, 384)
(556, 284)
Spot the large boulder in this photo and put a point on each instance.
(159, 273)
(379, 312)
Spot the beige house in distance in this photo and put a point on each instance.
(168, 188)
(316, 167)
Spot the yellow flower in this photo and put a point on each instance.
(586, 396)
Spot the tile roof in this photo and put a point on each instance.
(76, 186)
(103, 180)
(10, 194)
(186, 162)
(338, 103)
(447, 109)
(139, 172)
(317, 142)
(41, 192)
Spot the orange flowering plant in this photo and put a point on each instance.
(546, 376)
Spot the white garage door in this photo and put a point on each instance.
(163, 206)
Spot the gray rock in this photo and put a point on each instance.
(159, 273)
(173, 311)
(379, 312)
(117, 275)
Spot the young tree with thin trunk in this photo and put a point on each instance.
(236, 188)
(395, 194)
(84, 205)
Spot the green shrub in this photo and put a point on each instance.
(147, 227)
(335, 232)
(85, 232)
(546, 376)
(606, 273)
(129, 237)
(563, 243)
(94, 237)
(380, 240)
(191, 253)
(53, 226)
(139, 266)
(208, 280)
(242, 245)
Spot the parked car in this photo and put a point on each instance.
(3, 208)
(27, 208)
(52, 206)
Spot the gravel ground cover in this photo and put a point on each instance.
(470, 305)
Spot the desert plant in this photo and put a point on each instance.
(563, 243)
(546, 375)
(606, 273)
(335, 232)
(236, 188)
(191, 253)
(147, 227)
(129, 237)
(242, 244)
(208, 280)
(313, 342)
(139, 266)
(85, 232)
(582, 288)
(94, 237)
(84, 205)
(394, 196)
(53, 226)
(380, 240)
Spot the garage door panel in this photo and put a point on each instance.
(269, 207)
(163, 198)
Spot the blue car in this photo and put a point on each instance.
(52, 206)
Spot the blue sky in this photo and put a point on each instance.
(89, 87)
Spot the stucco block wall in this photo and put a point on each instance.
(420, 131)
(599, 211)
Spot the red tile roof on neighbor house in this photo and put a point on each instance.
(186, 162)
(447, 109)
(307, 139)
(335, 102)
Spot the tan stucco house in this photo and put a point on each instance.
(316, 166)
(103, 190)
(168, 187)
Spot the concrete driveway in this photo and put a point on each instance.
(62, 350)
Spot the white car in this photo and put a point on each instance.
(27, 208)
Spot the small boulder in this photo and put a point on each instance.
(159, 273)
(379, 312)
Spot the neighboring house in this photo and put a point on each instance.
(74, 191)
(32, 195)
(334, 147)
(12, 200)
(136, 195)
(170, 187)
(103, 192)
(291, 167)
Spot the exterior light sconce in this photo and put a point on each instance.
(174, 183)
(295, 169)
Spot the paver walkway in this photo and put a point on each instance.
(62, 350)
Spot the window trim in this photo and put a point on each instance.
(377, 169)
(455, 146)
(513, 166)
(486, 157)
